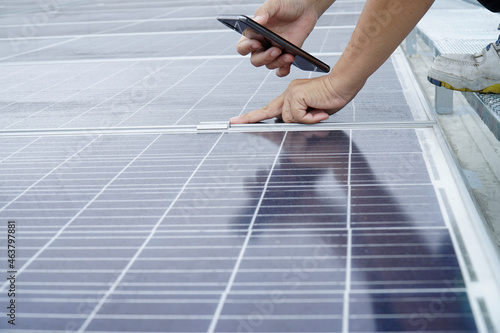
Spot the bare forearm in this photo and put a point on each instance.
(382, 26)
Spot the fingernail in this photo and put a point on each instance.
(274, 53)
(257, 18)
(234, 118)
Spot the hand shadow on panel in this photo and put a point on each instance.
(311, 171)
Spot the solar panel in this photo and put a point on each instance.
(130, 218)
(303, 225)
(138, 92)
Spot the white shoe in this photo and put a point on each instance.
(478, 72)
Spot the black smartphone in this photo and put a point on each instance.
(251, 29)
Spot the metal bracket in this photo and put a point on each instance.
(212, 126)
(443, 101)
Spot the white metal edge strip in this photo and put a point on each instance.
(413, 93)
(470, 224)
(214, 126)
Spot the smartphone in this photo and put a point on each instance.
(251, 29)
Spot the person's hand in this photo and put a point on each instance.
(305, 101)
(293, 20)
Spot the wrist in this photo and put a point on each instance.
(345, 82)
(320, 6)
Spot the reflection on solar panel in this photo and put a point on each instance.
(129, 218)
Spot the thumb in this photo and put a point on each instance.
(314, 116)
(301, 112)
(266, 11)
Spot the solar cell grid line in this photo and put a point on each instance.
(171, 19)
(129, 23)
(7, 154)
(326, 38)
(116, 94)
(208, 93)
(301, 220)
(12, 72)
(25, 160)
(4, 285)
(348, 268)
(96, 46)
(101, 302)
(66, 41)
(38, 49)
(376, 273)
(47, 175)
(139, 22)
(247, 92)
(244, 109)
(214, 321)
(169, 88)
(51, 168)
(117, 99)
(168, 40)
(13, 103)
(23, 71)
(173, 30)
(86, 87)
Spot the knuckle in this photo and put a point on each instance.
(269, 58)
(255, 61)
(295, 86)
(278, 63)
(287, 118)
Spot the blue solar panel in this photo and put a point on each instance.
(169, 229)
(129, 219)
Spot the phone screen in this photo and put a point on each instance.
(251, 29)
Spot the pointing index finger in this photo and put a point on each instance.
(272, 110)
(251, 117)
